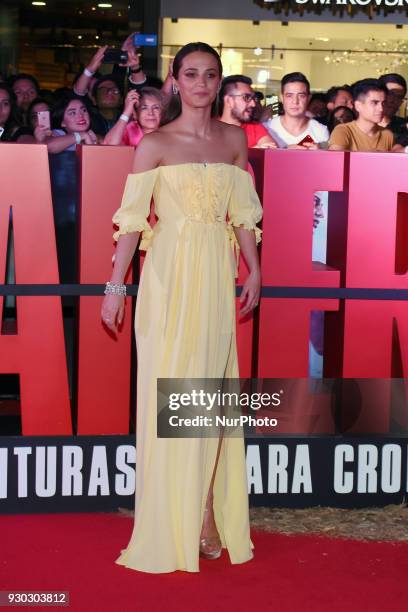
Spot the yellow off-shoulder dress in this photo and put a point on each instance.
(185, 328)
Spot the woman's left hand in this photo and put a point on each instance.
(90, 138)
(250, 293)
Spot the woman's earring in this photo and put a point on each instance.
(175, 90)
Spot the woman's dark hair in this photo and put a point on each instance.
(173, 109)
(34, 103)
(57, 112)
(15, 120)
(193, 48)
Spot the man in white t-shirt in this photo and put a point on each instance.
(294, 129)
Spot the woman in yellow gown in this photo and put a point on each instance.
(191, 493)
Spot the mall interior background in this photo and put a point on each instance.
(54, 41)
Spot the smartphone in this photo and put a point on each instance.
(115, 56)
(43, 119)
(145, 40)
(307, 139)
(1, 131)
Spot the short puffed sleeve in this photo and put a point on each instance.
(135, 207)
(244, 208)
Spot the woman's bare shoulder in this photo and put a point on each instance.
(235, 138)
(233, 135)
(148, 153)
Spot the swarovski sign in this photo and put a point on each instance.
(355, 2)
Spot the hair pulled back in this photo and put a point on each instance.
(193, 48)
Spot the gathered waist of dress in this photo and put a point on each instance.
(207, 220)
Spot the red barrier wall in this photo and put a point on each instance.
(104, 367)
(367, 247)
(36, 351)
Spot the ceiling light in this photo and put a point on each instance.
(263, 76)
(104, 5)
(79, 36)
(39, 3)
(322, 38)
(258, 51)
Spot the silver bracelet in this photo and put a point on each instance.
(124, 117)
(88, 72)
(112, 289)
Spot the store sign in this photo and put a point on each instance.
(355, 2)
(349, 7)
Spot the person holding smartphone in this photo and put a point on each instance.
(132, 71)
(71, 126)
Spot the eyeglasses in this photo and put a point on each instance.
(107, 90)
(247, 97)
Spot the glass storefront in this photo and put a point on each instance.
(328, 53)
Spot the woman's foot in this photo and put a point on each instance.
(210, 543)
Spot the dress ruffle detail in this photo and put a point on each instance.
(143, 226)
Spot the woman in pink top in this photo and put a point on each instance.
(142, 114)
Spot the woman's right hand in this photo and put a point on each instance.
(112, 311)
(41, 133)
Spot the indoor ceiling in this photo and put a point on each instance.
(72, 13)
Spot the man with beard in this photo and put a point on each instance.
(237, 104)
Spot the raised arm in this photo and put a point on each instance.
(82, 85)
(115, 134)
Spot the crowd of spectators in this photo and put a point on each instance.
(120, 107)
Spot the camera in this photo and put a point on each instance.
(115, 56)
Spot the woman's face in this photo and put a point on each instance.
(76, 117)
(149, 113)
(5, 107)
(198, 79)
(37, 108)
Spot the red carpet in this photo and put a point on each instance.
(75, 553)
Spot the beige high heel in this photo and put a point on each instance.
(210, 547)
